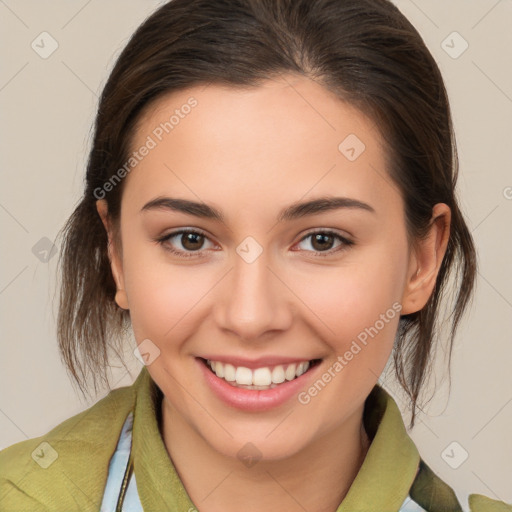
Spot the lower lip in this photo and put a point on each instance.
(252, 399)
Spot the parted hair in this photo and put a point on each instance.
(364, 51)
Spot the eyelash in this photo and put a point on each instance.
(188, 254)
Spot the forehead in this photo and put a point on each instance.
(285, 138)
(278, 110)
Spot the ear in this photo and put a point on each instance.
(113, 255)
(425, 261)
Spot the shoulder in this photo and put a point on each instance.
(65, 469)
(435, 495)
(479, 503)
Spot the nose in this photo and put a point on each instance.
(254, 300)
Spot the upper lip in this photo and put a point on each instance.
(256, 363)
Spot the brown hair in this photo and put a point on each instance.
(365, 51)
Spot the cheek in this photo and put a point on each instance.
(360, 297)
(163, 297)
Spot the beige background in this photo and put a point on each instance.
(48, 108)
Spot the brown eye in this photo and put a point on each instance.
(325, 242)
(185, 243)
(322, 242)
(192, 241)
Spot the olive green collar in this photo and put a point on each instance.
(66, 469)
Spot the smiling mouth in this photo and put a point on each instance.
(266, 377)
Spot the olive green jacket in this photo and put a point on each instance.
(66, 469)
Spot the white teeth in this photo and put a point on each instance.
(243, 376)
(218, 369)
(229, 371)
(302, 368)
(260, 378)
(278, 374)
(290, 372)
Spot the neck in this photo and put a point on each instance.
(316, 478)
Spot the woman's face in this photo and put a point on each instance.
(255, 287)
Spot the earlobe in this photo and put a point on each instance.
(115, 264)
(425, 261)
(121, 299)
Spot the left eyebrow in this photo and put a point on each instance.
(321, 205)
(294, 211)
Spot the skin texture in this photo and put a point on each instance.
(250, 153)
